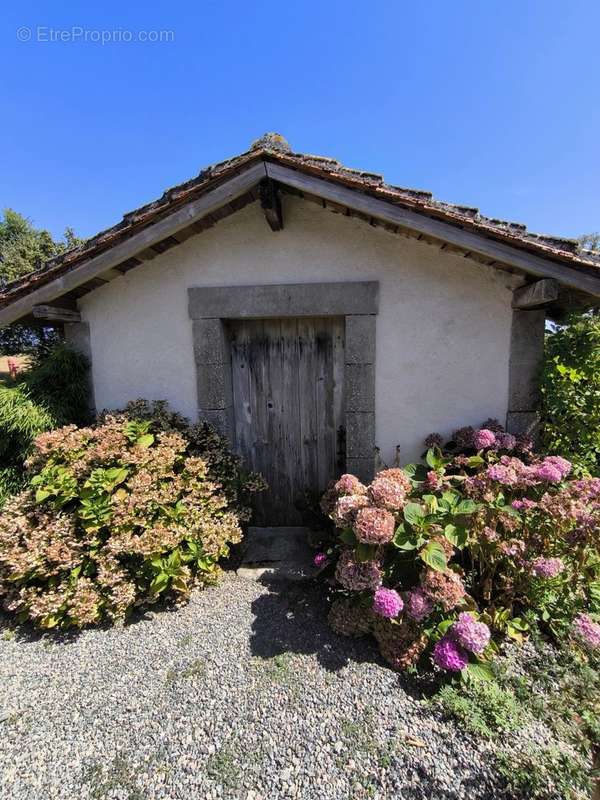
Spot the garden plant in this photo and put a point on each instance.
(118, 515)
(442, 561)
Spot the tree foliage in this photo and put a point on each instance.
(571, 392)
(24, 248)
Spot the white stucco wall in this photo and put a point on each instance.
(443, 330)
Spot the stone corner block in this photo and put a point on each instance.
(524, 391)
(360, 387)
(210, 342)
(523, 422)
(214, 386)
(527, 336)
(360, 434)
(363, 468)
(360, 338)
(222, 420)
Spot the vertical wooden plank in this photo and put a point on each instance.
(291, 431)
(308, 407)
(338, 356)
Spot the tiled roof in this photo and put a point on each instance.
(274, 148)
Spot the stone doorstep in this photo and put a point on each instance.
(281, 553)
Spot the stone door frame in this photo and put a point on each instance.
(358, 302)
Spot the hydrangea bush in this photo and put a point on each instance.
(115, 516)
(441, 560)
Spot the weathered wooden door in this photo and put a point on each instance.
(288, 407)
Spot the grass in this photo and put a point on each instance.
(224, 768)
(105, 781)
(196, 669)
(279, 669)
(556, 688)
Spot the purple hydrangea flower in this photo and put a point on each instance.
(506, 441)
(547, 567)
(469, 634)
(484, 438)
(418, 605)
(546, 471)
(320, 560)
(524, 504)
(387, 603)
(449, 655)
(501, 474)
(587, 630)
(560, 463)
(434, 440)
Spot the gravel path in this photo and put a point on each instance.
(243, 693)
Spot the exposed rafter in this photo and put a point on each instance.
(536, 295)
(270, 202)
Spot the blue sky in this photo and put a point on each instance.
(492, 103)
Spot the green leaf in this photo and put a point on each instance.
(41, 495)
(433, 555)
(480, 671)
(476, 461)
(145, 441)
(347, 536)
(413, 513)
(444, 625)
(466, 507)
(404, 539)
(432, 459)
(451, 498)
(365, 552)
(456, 535)
(160, 583)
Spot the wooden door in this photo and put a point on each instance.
(288, 407)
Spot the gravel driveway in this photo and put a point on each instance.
(243, 693)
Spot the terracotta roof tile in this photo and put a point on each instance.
(274, 147)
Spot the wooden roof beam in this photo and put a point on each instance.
(476, 243)
(536, 295)
(270, 202)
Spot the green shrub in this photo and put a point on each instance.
(58, 380)
(483, 708)
(223, 466)
(545, 773)
(52, 392)
(116, 515)
(571, 393)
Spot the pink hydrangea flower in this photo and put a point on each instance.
(387, 493)
(560, 463)
(587, 630)
(470, 634)
(547, 567)
(320, 560)
(374, 526)
(357, 576)
(484, 438)
(524, 504)
(432, 481)
(547, 471)
(349, 484)
(418, 605)
(449, 655)
(346, 507)
(506, 441)
(387, 603)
